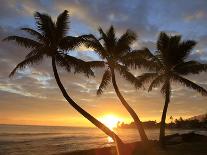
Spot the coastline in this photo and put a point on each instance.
(191, 148)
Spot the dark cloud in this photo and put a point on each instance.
(133, 15)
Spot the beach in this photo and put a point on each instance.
(196, 148)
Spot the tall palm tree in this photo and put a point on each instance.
(170, 63)
(113, 51)
(51, 41)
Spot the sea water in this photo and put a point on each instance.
(47, 140)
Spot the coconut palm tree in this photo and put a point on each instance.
(51, 40)
(170, 63)
(113, 51)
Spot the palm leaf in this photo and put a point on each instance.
(156, 82)
(109, 39)
(190, 67)
(79, 65)
(37, 51)
(105, 81)
(33, 33)
(63, 62)
(141, 59)
(124, 42)
(45, 24)
(123, 70)
(62, 24)
(96, 64)
(29, 61)
(146, 77)
(186, 47)
(70, 42)
(92, 42)
(189, 84)
(162, 41)
(22, 41)
(102, 34)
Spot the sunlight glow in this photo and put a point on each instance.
(110, 121)
(110, 140)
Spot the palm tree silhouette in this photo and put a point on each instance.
(52, 41)
(114, 51)
(169, 64)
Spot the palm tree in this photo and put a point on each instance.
(169, 64)
(51, 41)
(113, 51)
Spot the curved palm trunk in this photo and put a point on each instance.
(93, 120)
(129, 109)
(162, 124)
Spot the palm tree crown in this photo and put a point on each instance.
(170, 63)
(113, 51)
(51, 40)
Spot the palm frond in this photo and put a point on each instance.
(185, 48)
(109, 39)
(156, 82)
(141, 59)
(37, 51)
(33, 32)
(111, 32)
(102, 34)
(162, 41)
(96, 64)
(92, 42)
(106, 79)
(22, 41)
(146, 78)
(190, 67)
(70, 42)
(62, 62)
(123, 70)
(125, 41)
(62, 24)
(29, 61)
(79, 65)
(189, 84)
(45, 24)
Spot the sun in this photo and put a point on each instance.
(110, 120)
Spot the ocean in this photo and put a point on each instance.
(47, 140)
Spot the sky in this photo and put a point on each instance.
(32, 95)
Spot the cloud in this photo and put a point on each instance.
(35, 90)
(123, 15)
(15, 8)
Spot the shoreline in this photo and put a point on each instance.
(177, 144)
(190, 148)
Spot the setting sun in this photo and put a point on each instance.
(110, 120)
